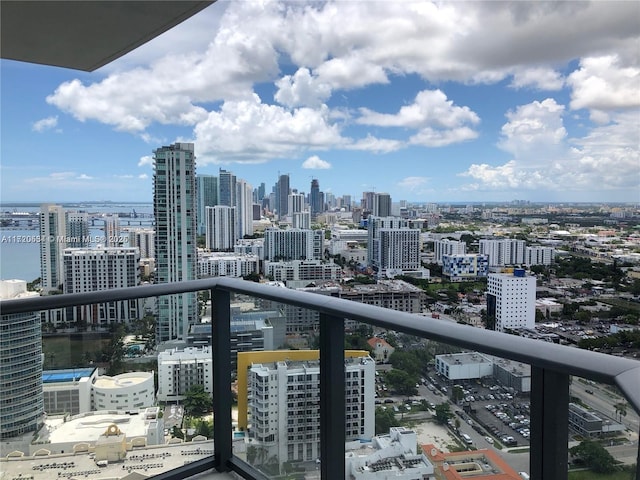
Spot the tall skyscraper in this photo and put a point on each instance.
(282, 196)
(381, 205)
(367, 201)
(376, 224)
(221, 232)
(244, 208)
(111, 231)
(207, 187)
(21, 399)
(316, 200)
(296, 203)
(53, 232)
(144, 239)
(174, 206)
(77, 229)
(226, 188)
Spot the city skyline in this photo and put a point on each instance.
(419, 100)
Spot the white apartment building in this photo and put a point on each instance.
(296, 203)
(504, 251)
(301, 220)
(511, 300)
(293, 244)
(179, 370)
(111, 231)
(285, 412)
(392, 245)
(53, 231)
(539, 256)
(127, 391)
(250, 247)
(103, 268)
(398, 250)
(448, 247)
(226, 264)
(144, 239)
(244, 208)
(299, 273)
(221, 228)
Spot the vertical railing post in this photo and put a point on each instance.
(222, 398)
(332, 401)
(549, 424)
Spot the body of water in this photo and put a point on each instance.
(20, 247)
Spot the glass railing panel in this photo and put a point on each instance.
(459, 404)
(276, 419)
(603, 430)
(113, 399)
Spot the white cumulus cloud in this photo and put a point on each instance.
(146, 160)
(316, 163)
(45, 124)
(252, 131)
(437, 120)
(603, 83)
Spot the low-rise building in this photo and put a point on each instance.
(465, 267)
(68, 390)
(513, 374)
(478, 464)
(127, 391)
(86, 430)
(381, 350)
(299, 273)
(464, 366)
(388, 456)
(589, 423)
(180, 370)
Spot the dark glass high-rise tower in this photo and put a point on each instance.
(316, 198)
(282, 196)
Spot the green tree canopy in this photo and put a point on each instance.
(384, 419)
(402, 382)
(443, 413)
(594, 456)
(197, 402)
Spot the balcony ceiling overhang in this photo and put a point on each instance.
(85, 35)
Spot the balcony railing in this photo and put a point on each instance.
(551, 367)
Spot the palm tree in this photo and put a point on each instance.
(621, 410)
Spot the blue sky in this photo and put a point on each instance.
(430, 102)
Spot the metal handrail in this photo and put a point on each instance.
(551, 365)
(600, 367)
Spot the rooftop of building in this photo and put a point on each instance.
(14, 289)
(67, 375)
(123, 380)
(87, 427)
(465, 358)
(478, 464)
